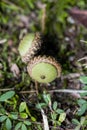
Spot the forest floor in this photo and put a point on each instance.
(60, 100)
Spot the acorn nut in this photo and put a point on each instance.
(29, 46)
(44, 69)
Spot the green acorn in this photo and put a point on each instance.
(44, 69)
(29, 46)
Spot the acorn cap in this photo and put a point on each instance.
(29, 46)
(44, 69)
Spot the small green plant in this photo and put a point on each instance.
(57, 115)
(82, 102)
(22, 125)
(80, 124)
(83, 107)
(19, 119)
(6, 117)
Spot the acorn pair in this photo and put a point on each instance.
(43, 69)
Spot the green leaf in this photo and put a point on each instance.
(82, 110)
(27, 123)
(83, 79)
(2, 118)
(30, 3)
(77, 127)
(14, 115)
(81, 4)
(23, 115)
(18, 125)
(85, 123)
(62, 117)
(22, 106)
(40, 105)
(33, 118)
(8, 124)
(54, 116)
(2, 110)
(47, 98)
(59, 111)
(39, 127)
(81, 102)
(82, 120)
(55, 105)
(75, 121)
(7, 95)
(23, 127)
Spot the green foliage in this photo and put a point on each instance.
(22, 106)
(2, 118)
(56, 13)
(57, 19)
(7, 96)
(19, 124)
(8, 124)
(82, 102)
(57, 116)
(62, 117)
(5, 117)
(9, 7)
(80, 124)
(83, 79)
(83, 107)
(22, 125)
(8, 118)
(47, 98)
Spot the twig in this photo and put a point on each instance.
(69, 91)
(6, 89)
(83, 58)
(45, 120)
(58, 91)
(33, 91)
(43, 20)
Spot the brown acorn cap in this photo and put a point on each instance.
(44, 69)
(28, 49)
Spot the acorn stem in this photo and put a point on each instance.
(36, 87)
